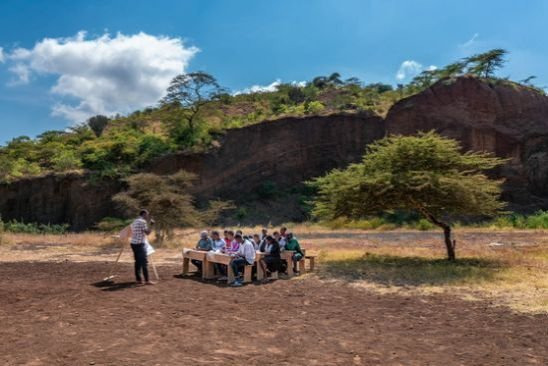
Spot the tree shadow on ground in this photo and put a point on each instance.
(411, 271)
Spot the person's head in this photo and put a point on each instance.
(270, 239)
(203, 234)
(289, 236)
(144, 214)
(276, 235)
(215, 235)
(264, 231)
(283, 231)
(230, 234)
(225, 233)
(256, 238)
(239, 238)
(239, 232)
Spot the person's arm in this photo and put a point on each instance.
(298, 247)
(148, 229)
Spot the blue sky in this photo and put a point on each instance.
(242, 43)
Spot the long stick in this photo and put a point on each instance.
(154, 269)
(111, 271)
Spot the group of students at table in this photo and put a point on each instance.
(243, 249)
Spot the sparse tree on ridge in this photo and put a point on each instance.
(192, 91)
(97, 124)
(485, 64)
(426, 174)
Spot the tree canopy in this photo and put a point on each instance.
(169, 201)
(426, 173)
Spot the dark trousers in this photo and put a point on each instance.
(237, 264)
(141, 262)
(197, 263)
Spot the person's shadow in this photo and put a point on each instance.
(113, 286)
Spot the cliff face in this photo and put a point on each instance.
(285, 152)
(58, 199)
(504, 118)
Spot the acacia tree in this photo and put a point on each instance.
(169, 200)
(192, 91)
(485, 64)
(426, 173)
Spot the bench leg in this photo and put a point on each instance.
(290, 265)
(248, 273)
(274, 275)
(302, 265)
(260, 273)
(312, 264)
(185, 266)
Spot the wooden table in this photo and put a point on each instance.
(286, 255)
(226, 259)
(198, 255)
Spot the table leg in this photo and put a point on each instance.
(185, 266)
(207, 270)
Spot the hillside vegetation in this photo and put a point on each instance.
(196, 111)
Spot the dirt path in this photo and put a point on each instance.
(52, 314)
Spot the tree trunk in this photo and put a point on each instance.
(449, 243)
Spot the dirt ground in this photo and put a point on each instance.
(53, 313)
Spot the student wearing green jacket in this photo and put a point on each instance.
(293, 244)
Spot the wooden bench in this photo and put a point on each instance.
(225, 259)
(198, 255)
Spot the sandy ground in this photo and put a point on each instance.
(53, 311)
(54, 314)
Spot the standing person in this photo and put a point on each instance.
(139, 231)
(272, 261)
(245, 256)
(204, 244)
(293, 244)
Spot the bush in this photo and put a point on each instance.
(112, 224)
(15, 226)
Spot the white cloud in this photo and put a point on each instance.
(470, 42)
(272, 87)
(104, 75)
(2, 57)
(411, 68)
(408, 68)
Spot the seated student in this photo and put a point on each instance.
(231, 245)
(218, 245)
(280, 239)
(272, 261)
(204, 244)
(244, 256)
(264, 247)
(256, 241)
(264, 234)
(293, 244)
(283, 232)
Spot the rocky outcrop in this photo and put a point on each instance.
(502, 117)
(58, 199)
